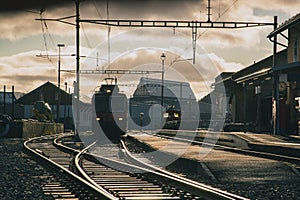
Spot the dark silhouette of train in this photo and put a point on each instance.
(173, 118)
(115, 114)
(111, 111)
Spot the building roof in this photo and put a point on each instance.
(152, 87)
(46, 92)
(285, 25)
(260, 68)
(223, 77)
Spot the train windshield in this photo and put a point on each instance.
(101, 104)
(110, 104)
(118, 104)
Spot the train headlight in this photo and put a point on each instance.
(98, 118)
(120, 118)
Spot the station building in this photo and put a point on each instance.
(147, 99)
(287, 77)
(264, 97)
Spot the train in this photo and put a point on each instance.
(115, 113)
(111, 108)
(173, 118)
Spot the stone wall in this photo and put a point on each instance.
(31, 128)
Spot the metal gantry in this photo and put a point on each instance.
(176, 24)
(194, 25)
(113, 71)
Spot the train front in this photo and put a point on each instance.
(111, 112)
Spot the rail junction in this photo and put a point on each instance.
(112, 173)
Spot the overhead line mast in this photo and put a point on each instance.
(77, 90)
(208, 11)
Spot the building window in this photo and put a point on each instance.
(296, 49)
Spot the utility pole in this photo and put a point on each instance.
(13, 102)
(66, 100)
(4, 99)
(208, 11)
(58, 83)
(77, 90)
(276, 83)
(163, 58)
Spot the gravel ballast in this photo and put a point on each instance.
(20, 176)
(261, 189)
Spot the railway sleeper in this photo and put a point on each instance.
(144, 192)
(153, 196)
(150, 198)
(128, 184)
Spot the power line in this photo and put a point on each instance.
(44, 35)
(227, 9)
(220, 15)
(85, 36)
(99, 14)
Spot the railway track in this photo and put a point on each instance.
(64, 184)
(111, 174)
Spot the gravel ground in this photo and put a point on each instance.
(260, 189)
(20, 176)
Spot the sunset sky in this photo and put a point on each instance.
(22, 38)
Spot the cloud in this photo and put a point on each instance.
(25, 69)
(17, 5)
(200, 76)
(18, 25)
(25, 80)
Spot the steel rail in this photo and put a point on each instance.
(188, 186)
(196, 185)
(85, 176)
(86, 186)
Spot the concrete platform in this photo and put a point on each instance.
(249, 176)
(284, 145)
(288, 146)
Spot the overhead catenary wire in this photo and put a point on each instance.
(47, 30)
(43, 23)
(98, 12)
(85, 36)
(101, 17)
(201, 34)
(220, 15)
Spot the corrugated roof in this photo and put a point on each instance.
(285, 25)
